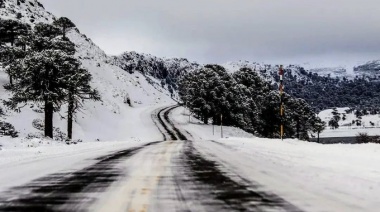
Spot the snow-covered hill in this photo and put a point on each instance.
(348, 118)
(110, 119)
(332, 72)
(348, 123)
(371, 69)
(269, 72)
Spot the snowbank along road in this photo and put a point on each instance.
(168, 175)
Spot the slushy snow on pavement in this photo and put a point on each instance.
(314, 177)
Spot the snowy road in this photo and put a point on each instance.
(169, 175)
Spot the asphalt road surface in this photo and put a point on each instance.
(168, 175)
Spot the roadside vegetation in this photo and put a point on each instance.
(244, 100)
(43, 70)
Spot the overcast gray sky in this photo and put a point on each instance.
(322, 32)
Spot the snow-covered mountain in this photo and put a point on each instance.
(109, 119)
(371, 68)
(267, 71)
(332, 72)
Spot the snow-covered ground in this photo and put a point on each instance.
(344, 129)
(198, 130)
(312, 176)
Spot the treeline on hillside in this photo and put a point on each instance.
(324, 92)
(168, 71)
(42, 68)
(244, 100)
(336, 117)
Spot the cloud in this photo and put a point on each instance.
(225, 30)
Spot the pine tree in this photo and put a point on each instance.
(79, 89)
(269, 116)
(78, 80)
(9, 58)
(12, 31)
(46, 30)
(246, 101)
(250, 93)
(42, 79)
(43, 76)
(333, 123)
(319, 127)
(64, 24)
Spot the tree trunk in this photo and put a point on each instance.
(205, 116)
(298, 128)
(10, 76)
(318, 138)
(12, 39)
(70, 116)
(49, 110)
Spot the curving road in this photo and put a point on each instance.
(168, 175)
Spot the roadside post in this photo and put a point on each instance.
(282, 111)
(213, 128)
(221, 125)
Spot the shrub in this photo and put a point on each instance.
(59, 135)
(69, 142)
(364, 138)
(38, 124)
(376, 139)
(31, 136)
(8, 129)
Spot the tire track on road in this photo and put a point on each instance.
(68, 191)
(222, 185)
(216, 188)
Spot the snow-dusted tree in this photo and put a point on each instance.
(43, 79)
(64, 24)
(207, 93)
(333, 123)
(319, 127)
(47, 36)
(46, 30)
(336, 114)
(12, 32)
(11, 29)
(79, 90)
(43, 75)
(77, 81)
(300, 116)
(269, 116)
(9, 58)
(246, 101)
(250, 96)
